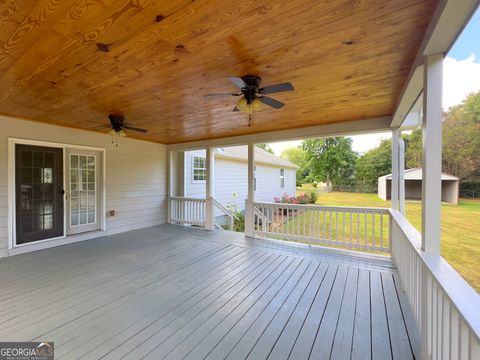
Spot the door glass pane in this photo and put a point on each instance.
(82, 189)
(38, 193)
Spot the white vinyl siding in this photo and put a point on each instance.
(231, 178)
(135, 174)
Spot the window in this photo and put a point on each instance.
(199, 172)
(282, 178)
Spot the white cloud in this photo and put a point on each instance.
(460, 78)
(363, 143)
(278, 147)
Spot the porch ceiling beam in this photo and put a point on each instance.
(338, 129)
(450, 18)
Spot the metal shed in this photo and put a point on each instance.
(413, 186)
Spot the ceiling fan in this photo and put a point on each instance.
(118, 126)
(252, 95)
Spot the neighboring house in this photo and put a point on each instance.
(274, 176)
(413, 186)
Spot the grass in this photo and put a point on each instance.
(460, 243)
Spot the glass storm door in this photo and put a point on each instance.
(38, 193)
(83, 190)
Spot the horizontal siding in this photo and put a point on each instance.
(135, 174)
(232, 176)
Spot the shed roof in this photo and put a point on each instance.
(416, 174)
(261, 156)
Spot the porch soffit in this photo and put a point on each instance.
(71, 63)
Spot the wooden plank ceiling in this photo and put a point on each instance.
(73, 62)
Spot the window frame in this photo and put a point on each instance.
(282, 178)
(204, 169)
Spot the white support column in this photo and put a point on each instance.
(169, 184)
(394, 193)
(401, 177)
(209, 211)
(249, 214)
(432, 153)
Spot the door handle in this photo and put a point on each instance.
(65, 193)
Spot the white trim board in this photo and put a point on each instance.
(347, 128)
(46, 243)
(448, 22)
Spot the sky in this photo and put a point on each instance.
(461, 76)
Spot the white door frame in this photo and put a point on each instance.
(11, 188)
(79, 229)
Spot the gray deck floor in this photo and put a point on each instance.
(177, 293)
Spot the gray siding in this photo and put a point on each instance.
(135, 174)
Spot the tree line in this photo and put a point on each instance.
(332, 160)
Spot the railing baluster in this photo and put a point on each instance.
(381, 230)
(350, 214)
(373, 230)
(366, 229)
(331, 226)
(358, 228)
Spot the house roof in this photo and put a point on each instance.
(154, 61)
(416, 174)
(261, 156)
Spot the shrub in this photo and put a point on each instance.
(238, 216)
(300, 199)
(313, 195)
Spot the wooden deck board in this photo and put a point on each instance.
(173, 292)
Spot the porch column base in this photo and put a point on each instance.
(249, 219)
(209, 214)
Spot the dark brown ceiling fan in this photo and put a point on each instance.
(252, 95)
(118, 127)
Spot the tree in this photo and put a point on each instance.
(413, 149)
(296, 155)
(373, 164)
(471, 108)
(265, 147)
(461, 140)
(331, 160)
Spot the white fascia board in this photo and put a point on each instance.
(448, 21)
(347, 128)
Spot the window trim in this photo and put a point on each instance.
(194, 181)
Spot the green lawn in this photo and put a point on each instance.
(460, 244)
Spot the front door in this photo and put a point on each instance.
(84, 174)
(38, 193)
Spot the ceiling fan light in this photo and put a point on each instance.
(257, 104)
(122, 133)
(242, 104)
(112, 132)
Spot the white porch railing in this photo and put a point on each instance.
(187, 211)
(346, 227)
(446, 308)
(226, 212)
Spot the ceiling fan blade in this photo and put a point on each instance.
(135, 129)
(271, 102)
(238, 82)
(276, 88)
(208, 96)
